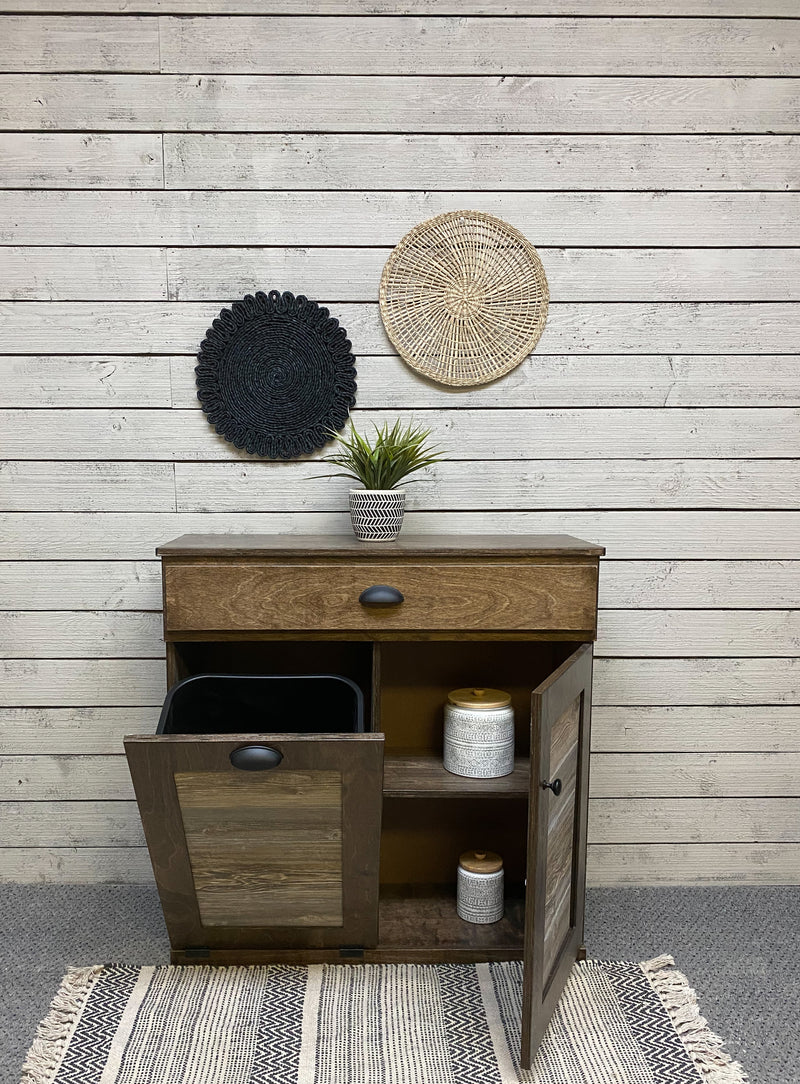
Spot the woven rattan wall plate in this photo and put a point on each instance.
(464, 298)
(275, 374)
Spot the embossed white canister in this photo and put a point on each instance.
(480, 887)
(479, 733)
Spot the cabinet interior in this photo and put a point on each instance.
(405, 685)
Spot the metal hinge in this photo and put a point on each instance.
(351, 952)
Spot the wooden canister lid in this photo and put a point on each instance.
(479, 698)
(480, 861)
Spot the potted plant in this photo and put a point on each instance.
(380, 465)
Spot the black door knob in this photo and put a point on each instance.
(255, 758)
(555, 786)
(381, 595)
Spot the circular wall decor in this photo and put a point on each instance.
(275, 375)
(464, 298)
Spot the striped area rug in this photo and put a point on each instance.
(617, 1023)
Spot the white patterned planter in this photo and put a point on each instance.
(377, 514)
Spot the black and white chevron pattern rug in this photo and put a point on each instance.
(617, 1023)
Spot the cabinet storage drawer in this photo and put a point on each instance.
(248, 595)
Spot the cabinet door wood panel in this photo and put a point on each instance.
(561, 708)
(245, 596)
(264, 843)
(286, 857)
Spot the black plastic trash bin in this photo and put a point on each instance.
(263, 704)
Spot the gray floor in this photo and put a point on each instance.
(738, 946)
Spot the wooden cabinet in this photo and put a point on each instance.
(346, 847)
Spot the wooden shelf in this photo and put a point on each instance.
(425, 776)
(418, 924)
(423, 919)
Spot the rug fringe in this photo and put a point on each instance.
(54, 1032)
(702, 1045)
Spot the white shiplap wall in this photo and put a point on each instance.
(158, 165)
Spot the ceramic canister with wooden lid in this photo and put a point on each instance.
(480, 887)
(479, 733)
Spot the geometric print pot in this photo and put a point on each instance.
(377, 514)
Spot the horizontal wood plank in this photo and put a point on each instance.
(634, 535)
(75, 865)
(460, 46)
(70, 824)
(700, 775)
(99, 486)
(182, 435)
(692, 820)
(549, 380)
(83, 274)
(43, 486)
(630, 585)
(65, 778)
(81, 585)
(74, 160)
(333, 275)
(31, 380)
(618, 682)
(573, 327)
(64, 43)
(709, 633)
(695, 8)
(59, 683)
(698, 584)
(701, 729)
(546, 484)
(574, 274)
(674, 219)
(405, 103)
(662, 682)
(447, 162)
(694, 864)
(560, 380)
(72, 730)
(89, 634)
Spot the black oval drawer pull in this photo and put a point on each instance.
(381, 595)
(255, 758)
(555, 786)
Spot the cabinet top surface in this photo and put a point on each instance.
(432, 545)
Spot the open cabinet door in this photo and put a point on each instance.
(561, 709)
(263, 841)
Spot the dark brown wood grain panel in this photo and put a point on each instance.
(346, 545)
(241, 596)
(425, 776)
(554, 730)
(561, 812)
(265, 847)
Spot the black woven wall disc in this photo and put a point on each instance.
(276, 374)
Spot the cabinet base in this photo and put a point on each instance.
(377, 955)
(413, 929)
